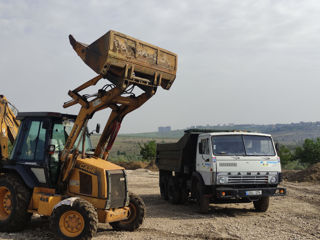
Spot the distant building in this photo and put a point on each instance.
(164, 129)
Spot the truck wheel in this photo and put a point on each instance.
(184, 194)
(76, 221)
(164, 187)
(262, 204)
(14, 202)
(202, 200)
(174, 193)
(136, 215)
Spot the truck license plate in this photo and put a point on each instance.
(254, 193)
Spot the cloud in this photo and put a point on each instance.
(239, 61)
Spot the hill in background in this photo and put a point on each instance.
(287, 134)
(126, 146)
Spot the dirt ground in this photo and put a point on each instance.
(296, 216)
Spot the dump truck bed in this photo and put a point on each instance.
(142, 63)
(179, 156)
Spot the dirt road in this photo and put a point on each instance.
(296, 216)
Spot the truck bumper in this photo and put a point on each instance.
(228, 193)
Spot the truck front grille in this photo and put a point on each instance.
(116, 188)
(247, 179)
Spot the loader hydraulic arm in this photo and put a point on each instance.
(9, 126)
(127, 63)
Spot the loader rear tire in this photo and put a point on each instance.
(262, 204)
(136, 215)
(76, 221)
(14, 202)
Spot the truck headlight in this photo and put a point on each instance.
(273, 179)
(223, 179)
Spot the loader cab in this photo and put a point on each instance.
(41, 137)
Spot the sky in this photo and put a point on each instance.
(248, 61)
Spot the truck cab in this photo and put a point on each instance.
(220, 167)
(233, 161)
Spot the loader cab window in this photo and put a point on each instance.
(33, 141)
(60, 134)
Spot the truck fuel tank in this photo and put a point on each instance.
(123, 59)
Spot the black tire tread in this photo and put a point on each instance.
(89, 214)
(20, 216)
(262, 204)
(174, 192)
(202, 200)
(163, 184)
(141, 210)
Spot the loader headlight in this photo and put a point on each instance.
(273, 179)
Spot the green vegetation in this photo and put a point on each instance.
(148, 150)
(302, 156)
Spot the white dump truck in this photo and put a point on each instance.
(220, 167)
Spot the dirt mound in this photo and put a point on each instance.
(311, 174)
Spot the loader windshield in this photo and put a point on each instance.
(242, 145)
(61, 133)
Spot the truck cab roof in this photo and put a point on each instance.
(214, 132)
(239, 133)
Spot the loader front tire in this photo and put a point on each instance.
(76, 221)
(14, 202)
(136, 215)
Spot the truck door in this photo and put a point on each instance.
(204, 160)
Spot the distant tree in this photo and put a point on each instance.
(309, 152)
(285, 155)
(148, 150)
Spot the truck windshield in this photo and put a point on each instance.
(242, 145)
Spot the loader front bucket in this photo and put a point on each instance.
(123, 59)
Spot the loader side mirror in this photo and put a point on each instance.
(98, 128)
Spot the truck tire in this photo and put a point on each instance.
(174, 192)
(14, 202)
(184, 194)
(76, 221)
(163, 182)
(136, 216)
(262, 204)
(202, 200)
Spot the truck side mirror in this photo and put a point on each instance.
(278, 147)
(98, 128)
(200, 148)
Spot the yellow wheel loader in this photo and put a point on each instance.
(53, 171)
